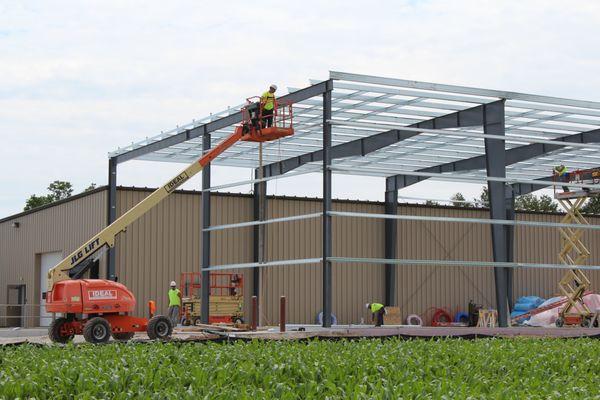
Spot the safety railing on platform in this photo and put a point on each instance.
(24, 315)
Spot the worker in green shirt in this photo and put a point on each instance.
(261, 112)
(561, 172)
(174, 303)
(377, 310)
(267, 102)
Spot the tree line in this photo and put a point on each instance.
(60, 190)
(526, 202)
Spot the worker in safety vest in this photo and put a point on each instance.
(174, 303)
(261, 112)
(377, 310)
(562, 175)
(267, 102)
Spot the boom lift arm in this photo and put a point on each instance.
(82, 259)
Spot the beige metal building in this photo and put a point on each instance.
(167, 241)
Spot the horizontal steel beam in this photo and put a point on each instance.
(252, 181)
(472, 178)
(487, 221)
(359, 147)
(279, 263)
(513, 156)
(464, 133)
(265, 222)
(399, 261)
(377, 80)
(295, 97)
(459, 263)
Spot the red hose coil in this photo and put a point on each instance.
(440, 317)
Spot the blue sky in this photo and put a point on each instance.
(78, 79)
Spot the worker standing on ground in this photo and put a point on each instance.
(377, 310)
(267, 101)
(174, 303)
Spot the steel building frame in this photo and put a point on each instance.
(405, 131)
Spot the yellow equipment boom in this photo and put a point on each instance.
(79, 261)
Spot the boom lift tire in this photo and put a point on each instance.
(97, 330)
(159, 327)
(54, 331)
(123, 336)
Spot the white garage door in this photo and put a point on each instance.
(49, 260)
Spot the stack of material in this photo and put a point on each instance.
(525, 304)
(392, 316)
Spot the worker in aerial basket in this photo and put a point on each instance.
(377, 310)
(266, 105)
(562, 174)
(174, 303)
(267, 101)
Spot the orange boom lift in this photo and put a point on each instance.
(99, 308)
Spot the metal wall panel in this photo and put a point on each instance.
(61, 228)
(166, 241)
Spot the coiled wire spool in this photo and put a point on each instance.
(414, 319)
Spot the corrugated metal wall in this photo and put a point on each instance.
(60, 228)
(167, 241)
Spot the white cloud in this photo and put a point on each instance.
(78, 79)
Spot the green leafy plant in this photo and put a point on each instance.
(363, 369)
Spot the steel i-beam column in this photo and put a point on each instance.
(495, 161)
(509, 203)
(205, 235)
(258, 240)
(111, 217)
(327, 242)
(391, 235)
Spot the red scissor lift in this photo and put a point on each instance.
(226, 300)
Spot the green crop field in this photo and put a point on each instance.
(365, 369)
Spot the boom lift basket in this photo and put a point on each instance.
(254, 126)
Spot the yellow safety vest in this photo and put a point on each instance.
(174, 299)
(268, 100)
(376, 307)
(561, 172)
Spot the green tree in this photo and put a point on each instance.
(592, 206)
(60, 190)
(547, 204)
(37, 201)
(91, 187)
(530, 202)
(458, 200)
(484, 198)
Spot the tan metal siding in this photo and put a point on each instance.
(167, 241)
(62, 227)
(542, 245)
(421, 287)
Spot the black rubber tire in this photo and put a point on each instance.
(585, 323)
(560, 322)
(159, 327)
(97, 330)
(54, 331)
(185, 322)
(238, 321)
(123, 336)
(196, 321)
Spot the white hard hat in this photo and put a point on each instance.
(173, 283)
(274, 86)
(367, 305)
